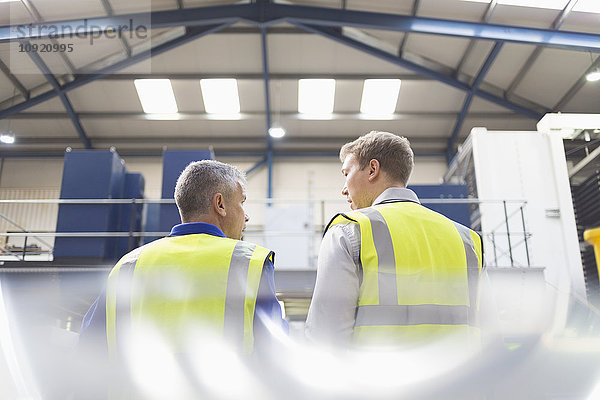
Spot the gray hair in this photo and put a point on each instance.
(393, 153)
(200, 181)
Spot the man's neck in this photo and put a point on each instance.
(205, 219)
(386, 187)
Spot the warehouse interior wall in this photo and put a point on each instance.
(291, 177)
(312, 184)
(31, 173)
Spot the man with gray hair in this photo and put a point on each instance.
(392, 272)
(200, 284)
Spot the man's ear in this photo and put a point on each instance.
(374, 169)
(219, 204)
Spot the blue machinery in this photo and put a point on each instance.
(326, 22)
(101, 174)
(97, 174)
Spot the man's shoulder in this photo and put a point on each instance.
(246, 247)
(249, 245)
(341, 219)
(132, 256)
(343, 225)
(167, 241)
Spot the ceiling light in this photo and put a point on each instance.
(220, 96)
(7, 137)
(276, 132)
(593, 76)
(379, 96)
(156, 96)
(316, 96)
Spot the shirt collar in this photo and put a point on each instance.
(190, 228)
(397, 194)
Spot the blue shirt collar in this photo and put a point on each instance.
(191, 228)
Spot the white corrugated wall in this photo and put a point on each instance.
(32, 217)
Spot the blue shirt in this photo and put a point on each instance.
(93, 326)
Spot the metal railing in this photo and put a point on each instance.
(503, 238)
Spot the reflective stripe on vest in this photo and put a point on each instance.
(419, 314)
(177, 281)
(472, 244)
(419, 268)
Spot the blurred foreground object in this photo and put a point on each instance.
(593, 237)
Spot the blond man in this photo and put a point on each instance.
(392, 271)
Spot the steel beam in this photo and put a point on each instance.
(583, 163)
(269, 156)
(487, 65)
(260, 76)
(560, 19)
(256, 166)
(318, 139)
(332, 17)
(37, 59)
(415, 10)
(37, 18)
(486, 18)
(524, 70)
(109, 10)
(190, 17)
(336, 155)
(255, 30)
(99, 64)
(457, 127)
(218, 154)
(80, 80)
(465, 108)
(202, 116)
(335, 35)
(13, 79)
(267, 14)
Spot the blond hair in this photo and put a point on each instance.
(393, 152)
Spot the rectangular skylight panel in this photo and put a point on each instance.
(156, 96)
(379, 96)
(591, 6)
(220, 96)
(550, 4)
(316, 96)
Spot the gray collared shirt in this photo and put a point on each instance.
(332, 311)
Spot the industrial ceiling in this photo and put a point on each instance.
(461, 63)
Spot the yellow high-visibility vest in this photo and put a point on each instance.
(420, 274)
(185, 282)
